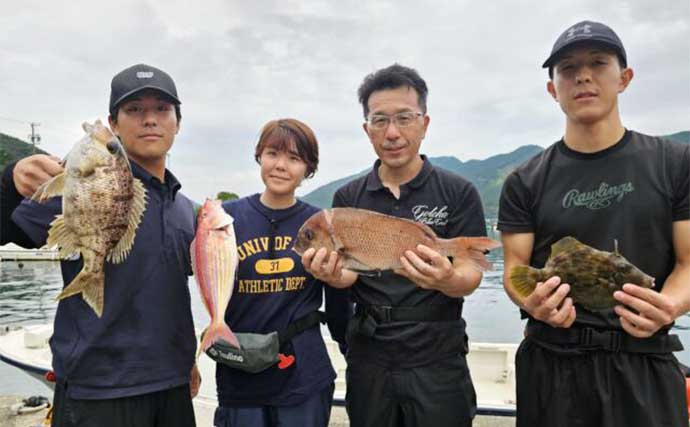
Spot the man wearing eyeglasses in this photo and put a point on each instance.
(407, 341)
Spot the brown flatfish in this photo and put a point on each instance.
(593, 275)
(369, 241)
(102, 205)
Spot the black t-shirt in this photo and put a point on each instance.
(632, 191)
(451, 206)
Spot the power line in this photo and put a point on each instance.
(13, 120)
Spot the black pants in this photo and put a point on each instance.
(436, 395)
(167, 408)
(598, 389)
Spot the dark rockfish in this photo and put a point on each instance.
(369, 241)
(102, 205)
(593, 275)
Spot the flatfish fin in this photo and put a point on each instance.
(50, 188)
(566, 244)
(60, 236)
(90, 285)
(119, 252)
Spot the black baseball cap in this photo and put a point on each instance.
(137, 78)
(586, 32)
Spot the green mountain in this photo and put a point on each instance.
(487, 175)
(12, 149)
(679, 137)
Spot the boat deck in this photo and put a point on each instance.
(491, 366)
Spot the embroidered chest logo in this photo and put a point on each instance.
(599, 198)
(436, 216)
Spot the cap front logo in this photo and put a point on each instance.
(144, 74)
(586, 30)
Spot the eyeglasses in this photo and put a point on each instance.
(400, 120)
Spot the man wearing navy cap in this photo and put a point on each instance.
(134, 365)
(600, 183)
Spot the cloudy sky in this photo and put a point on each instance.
(238, 64)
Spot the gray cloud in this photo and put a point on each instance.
(240, 64)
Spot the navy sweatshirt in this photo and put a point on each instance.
(272, 289)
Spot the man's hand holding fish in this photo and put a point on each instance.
(428, 269)
(30, 172)
(550, 304)
(645, 311)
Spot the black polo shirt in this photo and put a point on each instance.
(451, 206)
(145, 340)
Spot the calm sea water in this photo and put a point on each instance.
(27, 297)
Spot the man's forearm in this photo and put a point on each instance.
(9, 200)
(463, 282)
(677, 287)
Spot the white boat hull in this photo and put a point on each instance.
(491, 367)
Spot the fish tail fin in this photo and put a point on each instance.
(90, 285)
(523, 279)
(472, 249)
(216, 332)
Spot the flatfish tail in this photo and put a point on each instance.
(524, 278)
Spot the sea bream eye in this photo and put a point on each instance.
(309, 234)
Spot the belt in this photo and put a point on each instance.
(607, 340)
(426, 313)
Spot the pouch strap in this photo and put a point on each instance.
(300, 325)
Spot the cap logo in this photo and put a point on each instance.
(144, 74)
(586, 29)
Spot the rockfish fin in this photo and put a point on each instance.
(472, 249)
(120, 251)
(60, 236)
(566, 244)
(216, 332)
(524, 278)
(50, 188)
(90, 286)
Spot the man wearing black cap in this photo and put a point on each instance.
(601, 182)
(133, 366)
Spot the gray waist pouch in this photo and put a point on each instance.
(258, 353)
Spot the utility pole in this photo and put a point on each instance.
(34, 137)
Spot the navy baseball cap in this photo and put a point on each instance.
(137, 78)
(586, 32)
